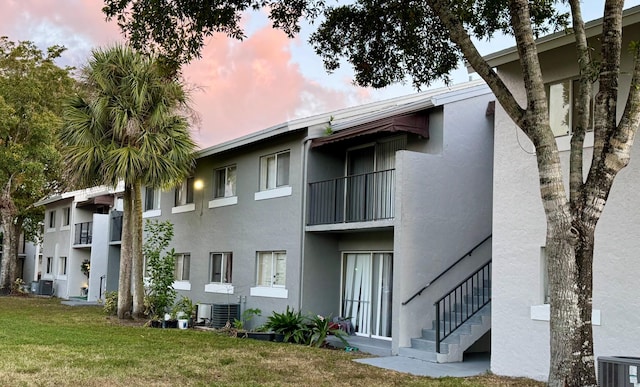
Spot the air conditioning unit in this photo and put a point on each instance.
(221, 313)
(203, 315)
(46, 288)
(618, 371)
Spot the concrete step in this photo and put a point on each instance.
(428, 345)
(452, 347)
(418, 354)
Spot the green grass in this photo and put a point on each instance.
(44, 343)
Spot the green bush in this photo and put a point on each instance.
(160, 294)
(291, 324)
(184, 307)
(247, 315)
(320, 328)
(110, 307)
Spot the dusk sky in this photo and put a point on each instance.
(240, 86)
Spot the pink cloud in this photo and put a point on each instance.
(243, 86)
(251, 85)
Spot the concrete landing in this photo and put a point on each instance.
(473, 364)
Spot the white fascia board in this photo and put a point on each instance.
(244, 140)
(81, 194)
(352, 116)
(558, 39)
(438, 97)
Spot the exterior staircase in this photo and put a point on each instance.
(463, 316)
(451, 348)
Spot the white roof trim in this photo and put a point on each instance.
(356, 115)
(81, 194)
(558, 39)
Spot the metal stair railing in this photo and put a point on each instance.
(462, 302)
(467, 254)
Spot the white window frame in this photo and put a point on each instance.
(225, 265)
(62, 267)
(66, 218)
(155, 202)
(48, 269)
(267, 270)
(180, 267)
(51, 224)
(542, 312)
(184, 197)
(185, 193)
(220, 286)
(271, 170)
(228, 188)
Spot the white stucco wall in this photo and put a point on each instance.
(520, 345)
(99, 257)
(443, 209)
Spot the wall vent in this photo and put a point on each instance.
(221, 313)
(618, 371)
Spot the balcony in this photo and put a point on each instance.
(357, 198)
(83, 233)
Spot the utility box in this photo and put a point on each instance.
(203, 315)
(46, 288)
(618, 371)
(35, 287)
(221, 313)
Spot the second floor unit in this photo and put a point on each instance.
(335, 171)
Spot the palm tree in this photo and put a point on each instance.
(128, 124)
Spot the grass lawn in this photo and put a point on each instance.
(45, 343)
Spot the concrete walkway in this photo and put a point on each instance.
(78, 302)
(473, 365)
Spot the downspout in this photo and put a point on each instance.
(306, 143)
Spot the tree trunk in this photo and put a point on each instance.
(136, 243)
(124, 282)
(9, 253)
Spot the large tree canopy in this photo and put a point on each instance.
(32, 87)
(388, 41)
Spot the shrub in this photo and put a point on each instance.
(291, 324)
(110, 307)
(185, 308)
(247, 315)
(320, 328)
(160, 294)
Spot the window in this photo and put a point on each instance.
(66, 216)
(224, 182)
(272, 268)
(151, 199)
(52, 219)
(562, 111)
(184, 193)
(62, 266)
(182, 266)
(274, 171)
(220, 267)
(49, 268)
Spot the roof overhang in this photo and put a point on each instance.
(417, 123)
(101, 200)
(558, 39)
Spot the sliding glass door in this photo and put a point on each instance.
(367, 292)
